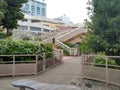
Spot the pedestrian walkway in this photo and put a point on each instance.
(68, 73)
(64, 74)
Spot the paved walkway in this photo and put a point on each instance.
(66, 73)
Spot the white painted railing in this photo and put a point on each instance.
(56, 36)
(61, 37)
(72, 51)
(71, 34)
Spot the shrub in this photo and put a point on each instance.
(100, 61)
(10, 47)
(68, 44)
(64, 51)
(84, 48)
(2, 35)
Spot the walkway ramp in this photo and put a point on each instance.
(68, 73)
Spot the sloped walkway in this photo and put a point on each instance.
(67, 73)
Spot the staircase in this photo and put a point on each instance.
(66, 35)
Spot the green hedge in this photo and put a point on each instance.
(11, 47)
(100, 61)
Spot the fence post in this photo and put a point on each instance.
(22, 88)
(13, 68)
(36, 57)
(61, 55)
(70, 52)
(82, 71)
(44, 62)
(54, 57)
(106, 70)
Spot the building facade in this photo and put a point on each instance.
(34, 8)
(64, 18)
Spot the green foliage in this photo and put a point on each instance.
(2, 9)
(12, 13)
(47, 48)
(68, 44)
(10, 47)
(84, 48)
(2, 35)
(100, 61)
(104, 27)
(64, 51)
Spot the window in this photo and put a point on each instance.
(35, 29)
(32, 10)
(22, 27)
(46, 30)
(38, 10)
(43, 11)
(27, 6)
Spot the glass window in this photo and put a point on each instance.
(32, 9)
(46, 30)
(35, 29)
(43, 11)
(22, 27)
(38, 10)
(27, 6)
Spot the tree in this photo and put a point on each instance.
(13, 14)
(2, 9)
(105, 27)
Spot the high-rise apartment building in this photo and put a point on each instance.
(35, 8)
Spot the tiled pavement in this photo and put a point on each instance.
(67, 73)
(62, 74)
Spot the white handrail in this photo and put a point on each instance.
(63, 36)
(72, 51)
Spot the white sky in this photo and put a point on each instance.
(74, 9)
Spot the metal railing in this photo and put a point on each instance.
(66, 36)
(55, 36)
(71, 34)
(101, 68)
(72, 51)
(61, 37)
(15, 67)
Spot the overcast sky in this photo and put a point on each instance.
(74, 9)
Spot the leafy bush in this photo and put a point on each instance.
(64, 51)
(68, 44)
(100, 61)
(10, 47)
(84, 48)
(2, 35)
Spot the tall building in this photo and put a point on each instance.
(64, 18)
(34, 8)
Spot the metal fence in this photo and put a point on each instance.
(15, 67)
(101, 68)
